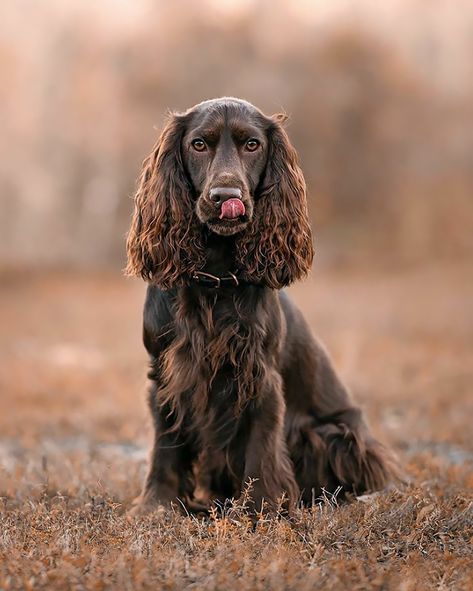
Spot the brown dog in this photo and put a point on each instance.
(240, 389)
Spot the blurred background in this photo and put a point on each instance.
(380, 96)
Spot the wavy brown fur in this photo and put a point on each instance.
(277, 247)
(164, 242)
(241, 392)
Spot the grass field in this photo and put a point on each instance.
(74, 435)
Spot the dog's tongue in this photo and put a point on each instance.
(232, 208)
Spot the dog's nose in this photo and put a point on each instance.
(220, 194)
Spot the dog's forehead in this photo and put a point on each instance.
(226, 105)
(218, 114)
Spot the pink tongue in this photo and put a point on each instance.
(232, 208)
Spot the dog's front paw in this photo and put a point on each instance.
(144, 506)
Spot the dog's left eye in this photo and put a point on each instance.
(199, 145)
(252, 145)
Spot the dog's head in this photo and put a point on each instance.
(224, 167)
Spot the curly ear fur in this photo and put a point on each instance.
(277, 248)
(164, 243)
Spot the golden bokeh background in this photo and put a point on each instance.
(380, 97)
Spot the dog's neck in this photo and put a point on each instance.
(220, 255)
(220, 269)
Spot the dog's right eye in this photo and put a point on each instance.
(199, 145)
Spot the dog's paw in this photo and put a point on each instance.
(141, 507)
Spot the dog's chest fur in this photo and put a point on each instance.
(211, 370)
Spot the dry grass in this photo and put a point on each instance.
(74, 434)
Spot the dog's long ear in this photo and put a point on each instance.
(277, 248)
(163, 244)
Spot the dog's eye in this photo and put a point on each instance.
(252, 145)
(199, 145)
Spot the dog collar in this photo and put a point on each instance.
(215, 282)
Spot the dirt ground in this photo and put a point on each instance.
(75, 433)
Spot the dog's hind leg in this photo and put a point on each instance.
(328, 438)
(338, 455)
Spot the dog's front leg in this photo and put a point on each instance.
(169, 478)
(267, 464)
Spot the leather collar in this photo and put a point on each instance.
(215, 282)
